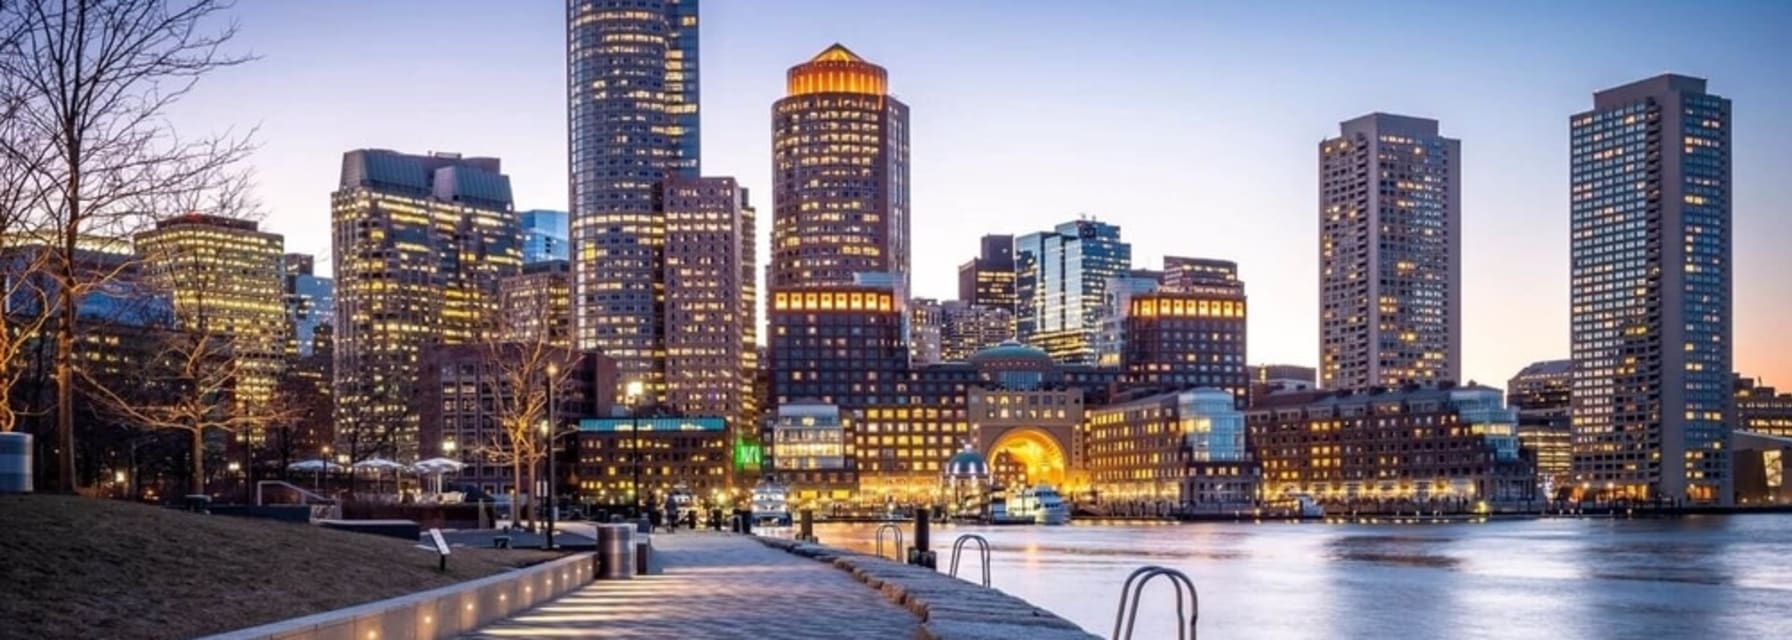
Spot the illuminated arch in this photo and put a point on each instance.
(1037, 451)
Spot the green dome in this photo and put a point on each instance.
(967, 464)
(1010, 351)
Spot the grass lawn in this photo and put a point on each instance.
(75, 567)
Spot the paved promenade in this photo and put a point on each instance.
(718, 586)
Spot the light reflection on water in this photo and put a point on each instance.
(1693, 577)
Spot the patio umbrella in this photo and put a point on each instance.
(437, 467)
(317, 466)
(379, 466)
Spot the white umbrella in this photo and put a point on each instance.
(378, 465)
(314, 465)
(439, 466)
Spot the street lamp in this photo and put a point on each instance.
(632, 393)
(553, 433)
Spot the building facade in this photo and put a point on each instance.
(632, 93)
(840, 162)
(310, 303)
(966, 329)
(625, 460)
(988, 279)
(466, 392)
(1060, 278)
(421, 243)
(536, 304)
(1651, 283)
(814, 454)
(546, 235)
(1762, 409)
(1541, 394)
(1390, 254)
(1179, 451)
(711, 300)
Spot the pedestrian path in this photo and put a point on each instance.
(717, 586)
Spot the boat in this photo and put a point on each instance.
(683, 501)
(1298, 504)
(771, 504)
(1039, 504)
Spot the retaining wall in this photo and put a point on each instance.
(949, 608)
(438, 613)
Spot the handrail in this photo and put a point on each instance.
(301, 491)
(1135, 587)
(898, 537)
(982, 548)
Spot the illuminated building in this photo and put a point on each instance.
(1651, 306)
(1762, 409)
(840, 161)
(225, 277)
(1026, 419)
(927, 320)
(1179, 328)
(966, 329)
(1390, 254)
(711, 300)
(310, 303)
(1540, 393)
(1269, 379)
(632, 92)
(665, 453)
(464, 390)
(1060, 278)
(536, 304)
(988, 279)
(1184, 449)
(545, 235)
(813, 455)
(1417, 446)
(421, 243)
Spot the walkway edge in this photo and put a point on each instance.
(949, 608)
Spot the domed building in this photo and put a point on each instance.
(966, 482)
(1024, 418)
(1016, 365)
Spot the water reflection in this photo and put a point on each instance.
(1696, 577)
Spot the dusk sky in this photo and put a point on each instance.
(1193, 126)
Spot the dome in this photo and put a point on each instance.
(967, 464)
(1011, 351)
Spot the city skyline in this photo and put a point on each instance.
(984, 164)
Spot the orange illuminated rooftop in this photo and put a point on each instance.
(837, 70)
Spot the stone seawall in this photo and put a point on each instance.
(949, 608)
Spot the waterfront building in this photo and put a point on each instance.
(1183, 450)
(466, 392)
(1182, 327)
(536, 304)
(224, 276)
(1412, 446)
(1060, 278)
(546, 235)
(711, 299)
(812, 452)
(1390, 254)
(1762, 462)
(1267, 379)
(1025, 420)
(966, 329)
(633, 122)
(310, 303)
(840, 161)
(988, 279)
(657, 454)
(1541, 394)
(1651, 282)
(421, 243)
(1762, 409)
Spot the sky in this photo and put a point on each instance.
(1194, 126)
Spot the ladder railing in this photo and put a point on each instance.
(1128, 612)
(898, 538)
(982, 550)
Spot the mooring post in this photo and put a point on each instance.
(919, 555)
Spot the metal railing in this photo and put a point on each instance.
(1128, 612)
(898, 537)
(982, 549)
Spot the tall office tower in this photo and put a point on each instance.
(537, 304)
(632, 110)
(1650, 199)
(710, 315)
(966, 329)
(1060, 278)
(310, 302)
(1390, 254)
(545, 235)
(223, 275)
(926, 328)
(1191, 334)
(421, 243)
(840, 166)
(988, 279)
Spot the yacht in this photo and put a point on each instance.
(771, 504)
(1038, 504)
(1299, 504)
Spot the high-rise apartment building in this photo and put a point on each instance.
(224, 277)
(546, 235)
(1390, 254)
(1060, 280)
(840, 160)
(537, 304)
(711, 301)
(1651, 316)
(966, 329)
(632, 109)
(310, 303)
(926, 328)
(1763, 409)
(421, 243)
(988, 279)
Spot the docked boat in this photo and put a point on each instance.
(771, 504)
(1039, 504)
(1299, 504)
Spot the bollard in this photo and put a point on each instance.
(715, 519)
(918, 555)
(807, 533)
(746, 521)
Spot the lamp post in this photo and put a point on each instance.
(632, 396)
(553, 433)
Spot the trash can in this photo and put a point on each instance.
(615, 552)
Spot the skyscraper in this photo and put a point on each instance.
(840, 169)
(537, 304)
(711, 314)
(1390, 254)
(545, 235)
(632, 110)
(420, 243)
(1060, 278)
(310, 303)
(1651, 332)
(988, 279)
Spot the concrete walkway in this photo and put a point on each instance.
(718, 586)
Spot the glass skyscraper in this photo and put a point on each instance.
(1060, 280)
(1390, 254)
(545, 235)
(310, 303)
(1650, 203)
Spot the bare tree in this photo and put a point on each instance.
(94, 81)
(524, 371)
(23, 258)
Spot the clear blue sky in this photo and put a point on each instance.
(1192, 125)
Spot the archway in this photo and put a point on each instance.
(1028, 456)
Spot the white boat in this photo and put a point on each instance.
(1300, 504)
(771, 504)
(1039, 504)
(682, 501)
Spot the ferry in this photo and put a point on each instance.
(1030, 505)
(771, 504)
(1299, 504)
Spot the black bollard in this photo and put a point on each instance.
(746, 521)
(715, 519)
(808, 527)
(918, 555)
